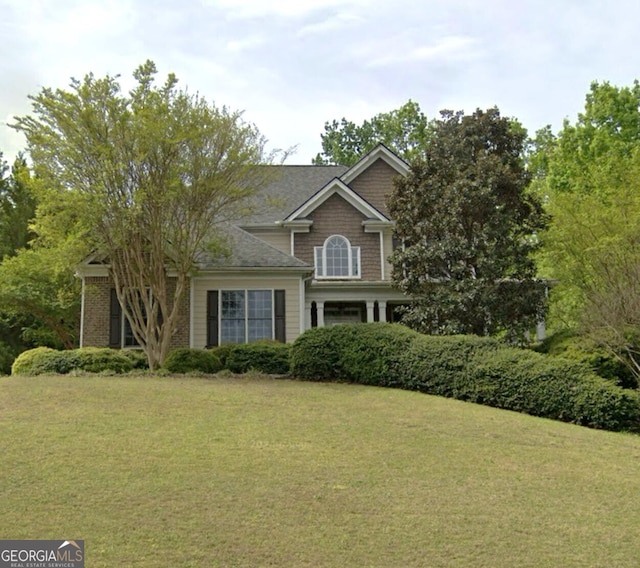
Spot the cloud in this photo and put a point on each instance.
(336, 23)
(245, 44)
(449, 48)
(282, 8)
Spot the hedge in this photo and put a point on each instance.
(44, 360)
(360, 353)
(475, 369)
(269, 357)
(581, 348)
(185, 360)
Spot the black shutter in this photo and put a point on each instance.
(212, 318)
(279, 312)
(115, 321)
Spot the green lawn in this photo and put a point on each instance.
(254, 472)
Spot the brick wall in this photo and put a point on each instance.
(95, 331)
(97, 312)
(375, 183)
(337, 217)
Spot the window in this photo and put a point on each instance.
(337, 259)
(120, 332)
(246, 315)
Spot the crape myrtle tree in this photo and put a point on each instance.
(152, 175)
(468, 225)
(404, 130)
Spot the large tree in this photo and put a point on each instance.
(152, 175)
(404, 130)
(468, 224)
(592, 248)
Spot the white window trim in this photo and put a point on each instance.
(351, 251)
(246, 311)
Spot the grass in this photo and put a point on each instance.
(160, 471)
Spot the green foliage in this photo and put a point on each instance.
(552, 388)
(592, 248)
(222, 352)
(6, 358)
(583, 349)
(469, 225)
(351, 352)
(185, 360)
(137, 358)
(149, 177)
(269, 357)
(315, 355)
(39, 361)
(405, 131)
(44, 360)
(17, 207)
(475, 369)
(40, 284)
(436, 364)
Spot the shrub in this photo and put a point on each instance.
(475, 369)
(43, 360)
(137, 357)
(269, 357)
(185, 360)
(40, 361)
(222, 352)
(368, 353)
(603, 362)
(99, 360)
(435, 363)
(553, 388)
(315, 355)
(361, 353)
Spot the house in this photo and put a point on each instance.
(314, 253)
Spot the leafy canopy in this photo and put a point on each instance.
(405, 130)
(592, 248)
(469, 224)
(151, 176)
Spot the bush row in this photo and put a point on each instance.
(265, 357)
(474, 369)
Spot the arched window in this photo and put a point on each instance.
(337, 259)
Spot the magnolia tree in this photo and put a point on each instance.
(468, 223)
(153, 174)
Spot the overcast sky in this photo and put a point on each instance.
(291, 65)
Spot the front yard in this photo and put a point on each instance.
(255, 471)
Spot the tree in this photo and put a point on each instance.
(469, 225)
(405, 130)
(592, 247)
(152, 175)
(17, 207)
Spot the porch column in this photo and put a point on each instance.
(541, 330)
(320, 311)
(370, 311)
(382, 310)
(307, 316)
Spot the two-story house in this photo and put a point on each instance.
(314, 253)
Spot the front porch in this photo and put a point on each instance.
(350, 302)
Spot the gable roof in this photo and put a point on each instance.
(336, 186)
(291, 186)
(380, 152)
